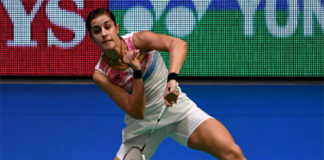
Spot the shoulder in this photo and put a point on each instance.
(139, 40)
(142, 35)
(99, 77)
(143, 39)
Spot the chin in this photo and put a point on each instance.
(107, 47)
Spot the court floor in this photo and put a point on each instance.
(80, 122)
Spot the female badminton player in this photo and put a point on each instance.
(132, 72)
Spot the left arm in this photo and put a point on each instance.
(177, 50)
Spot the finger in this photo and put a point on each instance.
(173, 94)
(168, 103)
(124, 59)
(137, 51)
(134, 56)
(170, 95)
(172, 99)
(127, 58)
(131, 58)
(169, 98)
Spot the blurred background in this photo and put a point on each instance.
(257, 66)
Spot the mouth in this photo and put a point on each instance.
(105, 41)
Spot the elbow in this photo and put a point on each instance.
(185, 47)
(185, 44)
(96, 78)
(138, 115)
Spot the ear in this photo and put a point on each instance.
(117, 28)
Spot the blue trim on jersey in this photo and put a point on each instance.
(147, 74)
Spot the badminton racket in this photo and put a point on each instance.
(136, 153)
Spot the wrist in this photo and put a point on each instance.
(134, 67)
(172, 76)
(137, 74)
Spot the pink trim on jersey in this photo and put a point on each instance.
(103, 65)
(129, 43)
(117, 76)
(128, 81)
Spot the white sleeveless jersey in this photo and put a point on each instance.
(154, 76)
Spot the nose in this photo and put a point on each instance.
(104, 33)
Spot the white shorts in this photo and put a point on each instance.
(179, 131)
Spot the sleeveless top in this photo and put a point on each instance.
(154, 73)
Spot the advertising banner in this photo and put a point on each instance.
(226, 38)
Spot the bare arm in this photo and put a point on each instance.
(133, 104)
(177, 49)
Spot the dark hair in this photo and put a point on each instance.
(97, 12)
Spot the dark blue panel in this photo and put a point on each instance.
(125, 4)
(56, 99)
(64, 122)
(214, 4)
(224, 5)
(89, 99)
(265, 100)
(60, 137)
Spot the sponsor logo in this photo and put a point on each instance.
(53, 14)
(46, 37)
(180, 21)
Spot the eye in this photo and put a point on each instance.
(96, 30)
(107, 27)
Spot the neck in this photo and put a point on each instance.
(115, 56)
(116, 53)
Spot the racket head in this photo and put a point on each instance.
(134, 153)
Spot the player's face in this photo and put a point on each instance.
(104, 32)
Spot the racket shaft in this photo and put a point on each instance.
(163, 111)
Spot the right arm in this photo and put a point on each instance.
(133, 104)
